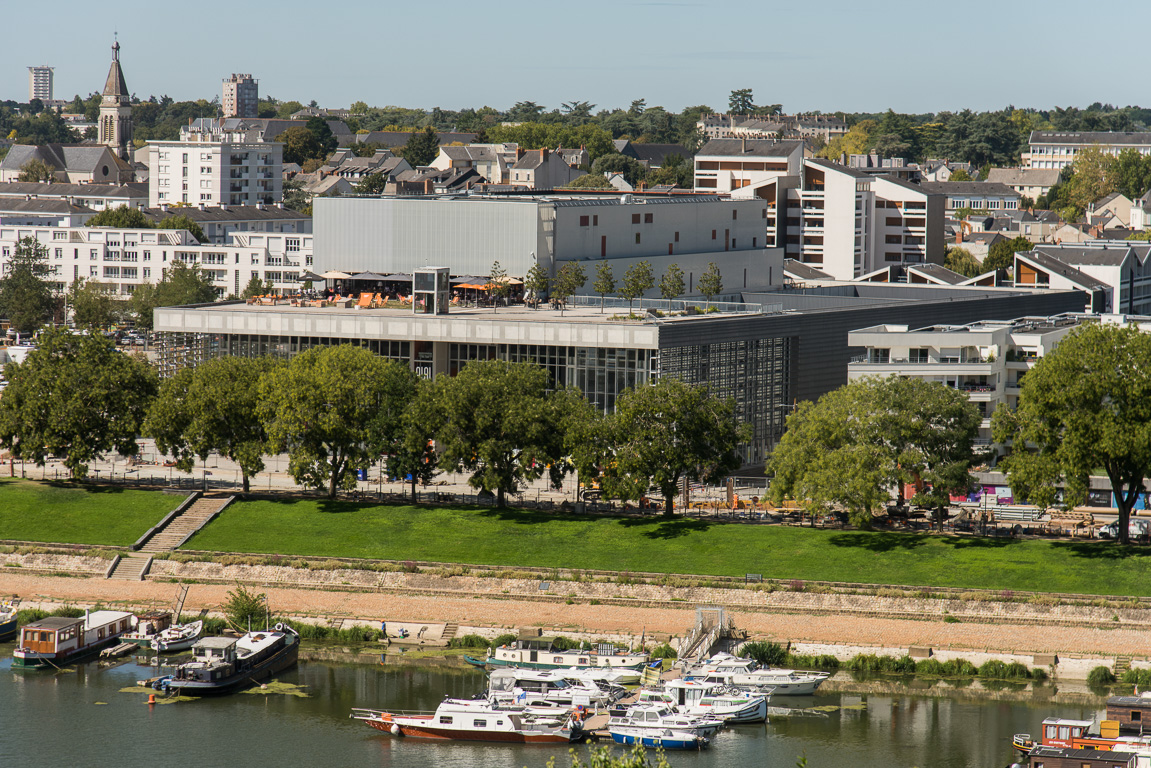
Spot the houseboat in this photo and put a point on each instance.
(148, 626)
(57, 640)
(541, 653)
(1127, 724)
(476, 721)
(8, 611)
(222, 665)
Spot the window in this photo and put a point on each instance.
(734, 214)
(733, 242)
(479, 723)
(584, 221)
(59, 235)
(677, 237)
(206, 169)
(292, 244)
(595, 221)
(445, 720)
(94, 254)
(59, 254)
(185, 157)
(635, 218)
(1136, 715)
(146, 272)
(713, 234)
(637, 238)
(648, 218)
(755, 242)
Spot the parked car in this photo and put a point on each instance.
(1135, 529)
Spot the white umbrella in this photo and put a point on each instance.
(332, 274)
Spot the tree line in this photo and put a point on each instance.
(336, 410)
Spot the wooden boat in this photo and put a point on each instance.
(8, 611)
(148, 626)
(667, 738)
(542, 654)
(476, 721)
(222, 665)
(178, 638)
(57, 640)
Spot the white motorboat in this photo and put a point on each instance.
(536, 687)
(609, 675)
(661, 739)
(692, 697)
(657, 717)
(474, 721)
(178, 638)
(745, 674)
(542, 654)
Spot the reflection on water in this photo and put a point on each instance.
(82, 717)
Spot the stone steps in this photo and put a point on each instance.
(1122, 664)
(131, 567)
(450, 630)
(188, 521)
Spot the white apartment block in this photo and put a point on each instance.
(976, 195)
(1056, 149)
(241, 96)
(740, 167)
(40, 83)
(214, 169)
(127, 258)
(986, 360)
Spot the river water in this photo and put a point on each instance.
(80, 717)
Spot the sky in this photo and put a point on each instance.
(921, 56)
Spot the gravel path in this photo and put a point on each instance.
(673, 620)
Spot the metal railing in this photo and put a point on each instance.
(641, 306)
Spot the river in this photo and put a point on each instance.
(80, 717)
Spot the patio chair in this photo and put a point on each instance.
(365, 301)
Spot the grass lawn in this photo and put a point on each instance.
(78, 514)
(529, 538)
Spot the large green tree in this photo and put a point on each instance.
(496, 420)
(1001, 255)
(25, 296)
(860, 444)
(741, 102)
(92, 304)
(413, 455)
(122, 217)
(960, 260)
(1085, 406)
(301, 145)
(665, 432)
(570, 279)
(422, 147)
(36, 170)
(536, 282)
(334, 410)
(210, 409)
(633, 170)
(181, 284)
(77, 397)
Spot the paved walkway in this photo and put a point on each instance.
(675, 620)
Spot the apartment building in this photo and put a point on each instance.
(722, 126)
(40, 82)
(976, 195)
(128, 258)
(1057, 149)
(241, 96)
(1115, 276)
(95, 196)
(741, 167)
(220, 223)
(1029, 182)
(215, 168)
(986, 359)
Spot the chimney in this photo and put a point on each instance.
(959, 237)
(743, 144)
(201, 206)
(280, 204)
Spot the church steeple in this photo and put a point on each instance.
(115, 126)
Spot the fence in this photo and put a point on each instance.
(675, 305)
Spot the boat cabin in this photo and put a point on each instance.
(1058, 732)
(1064, 757)
(153, 622)
(56, 635)
(215, 650)
(1133, 713)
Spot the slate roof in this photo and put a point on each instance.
(1025, 177)
(1056, 266)
(837, 168)
(400, 138)
(937, 272)
(749, 148)
(211, 214)
(533, 158)
(803, 271)
(75, 158)
(1090, 137)
(48, 205)
(655, 154)
(115, 86)
(487, 154)
(22, 188)
(983, 188)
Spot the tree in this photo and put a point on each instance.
(570, 279)
(856, 444)
(372, 184)
(710, 283)
(180, 285)
(891, 145)
(960, 175)
(960, 260)
(536, 281)
(413, 455)
(741, 102)
(208, 409)
(638, 280)
(77, 397)
(496, 420)
(633, 170)
(182, 221)
(590, 181)
(334, 410)
(1092, 178)
(1083, 406)
(604, 282)
(671, 285)
(295, 198)
(257, 287)
(422, 147)
(323, 133)
(668, 431)
(300, 145)
(1001, 255)
(92, 304)
(37, 170)
(1132, 173)
(25, 297)
(498, 286)
(122, 217)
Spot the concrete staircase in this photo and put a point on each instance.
(450, 631)
(171, 535)
(1122, 664)
(131, 567)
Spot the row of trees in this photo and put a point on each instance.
(637, 280)
(335, 410)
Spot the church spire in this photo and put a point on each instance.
(115, 89)
(115, 127)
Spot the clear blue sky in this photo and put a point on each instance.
(911, 56)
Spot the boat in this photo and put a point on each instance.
(541, 653)
(148, 626)
(540, 687)
(476, 721)
(692, 697)
(668, 738)
(59, 640)
(8, 611)
(610, 675)
(1122, 727)
(222, 665)
(746, 675)
(656, 717)
(178, 638)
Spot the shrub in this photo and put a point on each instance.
(930, 667)
(1102, 676)
(1018, 671)
(827, 661)
(869, 662)
(1039, 674)
(506, 639)
(1139, 677)
(796, 585)
(562, 643)
(468, 641)
(243, 607)
(905, 665)
(950, 619)
(768, 654)
(664, 651)
(959, 668)
(994, 669)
